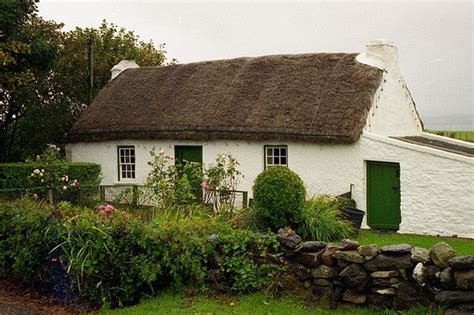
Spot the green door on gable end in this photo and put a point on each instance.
(189, 153)
(383, 195)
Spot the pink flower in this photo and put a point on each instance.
(205, 185)
(105, 209)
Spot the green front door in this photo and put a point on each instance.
(383, 195)
(189, 153)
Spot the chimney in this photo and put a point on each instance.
(122, 65)
(382, 54)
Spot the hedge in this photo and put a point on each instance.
(16, 175)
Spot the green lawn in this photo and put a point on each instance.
(462, 246)
(170, 303)
(460, 135)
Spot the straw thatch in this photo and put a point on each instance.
(306, 97)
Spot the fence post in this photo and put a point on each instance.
(134, 196)
(102, 193)
(245, 198)
(50, 196)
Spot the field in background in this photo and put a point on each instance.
(460, 135)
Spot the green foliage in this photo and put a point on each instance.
(220, 183)
(29, 46)
(18, 175)
(111, 45)
(27, 234)
(245, 259)
(44, 74)
(115, 258)
(279, 196)
(321, 220)
(172, 184)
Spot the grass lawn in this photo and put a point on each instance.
(462, 246)
(258, 303)
(460, 135)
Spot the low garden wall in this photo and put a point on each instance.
(391, 277)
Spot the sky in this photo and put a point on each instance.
(435, 39)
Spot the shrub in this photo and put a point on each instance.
(27, 234)
(220, 183)
(321, 220)
(245, 259)
(279, 196)
(173, 184)
(113, 258)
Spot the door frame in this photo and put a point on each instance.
(384, 163)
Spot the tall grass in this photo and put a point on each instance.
(321, 220)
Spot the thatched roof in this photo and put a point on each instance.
(306, 97)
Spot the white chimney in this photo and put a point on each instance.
(381, 54)
(122, 65)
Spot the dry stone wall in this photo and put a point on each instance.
(394, 277)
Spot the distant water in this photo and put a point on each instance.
(454, 127)
(452, 122)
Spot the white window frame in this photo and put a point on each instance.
(126, 157)
(273, 155)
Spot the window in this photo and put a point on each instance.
(276, 155)
(126, 159)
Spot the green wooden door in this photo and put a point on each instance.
(383, 195)
(189, 153)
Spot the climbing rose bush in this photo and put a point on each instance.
(51, 176)
(220, 182)
(172, 184)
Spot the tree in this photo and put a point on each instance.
(28, 49)
(45, 77)
(111, 44)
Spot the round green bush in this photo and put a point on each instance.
(279, 196)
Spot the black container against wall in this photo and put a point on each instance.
(354, 215)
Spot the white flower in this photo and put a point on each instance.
(42, 170)
(42, 180)
(41, 174)
(64, 187)
(36, 171)
(38, 157)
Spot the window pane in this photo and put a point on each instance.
(132, 159)
(276, 160)
(269, 151)
(276, 151)
(283, 160)
(283, 151)
(269, 160)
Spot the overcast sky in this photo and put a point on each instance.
(435, 39)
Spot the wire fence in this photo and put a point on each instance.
(130, 195)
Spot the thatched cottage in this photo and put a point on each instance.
(342, 121)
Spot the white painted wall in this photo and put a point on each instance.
(437, 188)
(393, 111)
